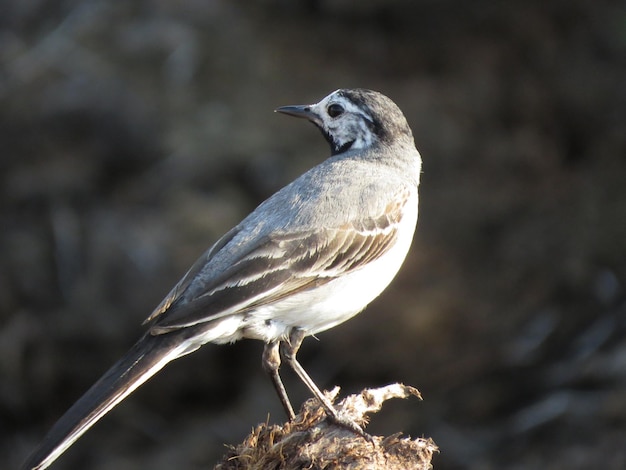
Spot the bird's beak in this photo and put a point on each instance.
(301, 111)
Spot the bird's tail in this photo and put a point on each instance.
(149, 355)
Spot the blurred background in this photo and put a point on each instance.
(134, 134)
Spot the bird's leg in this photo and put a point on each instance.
(289, 349)
(271, 364)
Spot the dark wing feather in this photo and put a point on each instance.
(180, 287)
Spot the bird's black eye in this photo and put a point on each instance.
(335, 110)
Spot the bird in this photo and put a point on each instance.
(308, 258)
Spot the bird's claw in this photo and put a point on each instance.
(350, 425)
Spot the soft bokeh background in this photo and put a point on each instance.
(133, 134)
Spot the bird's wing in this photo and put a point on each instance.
(279, 266)
(191, 274)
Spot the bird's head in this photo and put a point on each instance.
(354, 119)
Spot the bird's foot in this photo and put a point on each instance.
(350, 425)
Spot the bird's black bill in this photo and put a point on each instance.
(302, 111)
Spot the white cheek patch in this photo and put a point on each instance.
(352, 126)
(365, 137)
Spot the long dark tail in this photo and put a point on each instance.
(149, 355)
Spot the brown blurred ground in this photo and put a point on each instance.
(133, 134)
